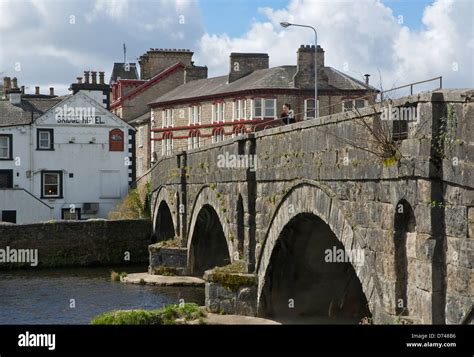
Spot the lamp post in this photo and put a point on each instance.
(287, 24)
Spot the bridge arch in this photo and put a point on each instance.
(165, 224)
(306, 224)
(209, 233)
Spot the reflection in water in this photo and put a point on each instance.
(44, 296)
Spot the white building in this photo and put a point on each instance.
(62, 157)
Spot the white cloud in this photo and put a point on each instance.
(362, 36)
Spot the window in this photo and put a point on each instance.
(240, 109)
(264, 108)
(9, 216)
(194, 139)
(218, 112)
(309, 109)
(6, 152)
(140, 136)
(218, 135)
(45, 139)
(238, 131)
(167, 118)
(167, 144)
(51, 184)
(71, 214)
(349, 105)
(195, 115)
(6, 178)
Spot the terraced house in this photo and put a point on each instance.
(250, 97)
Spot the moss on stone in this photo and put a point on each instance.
(232, 276)
(165, 270)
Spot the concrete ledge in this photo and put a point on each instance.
(161, 280)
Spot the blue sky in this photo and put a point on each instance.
(216, 13)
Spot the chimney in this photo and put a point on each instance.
(86, 77)
(304, 77)
(156, 60)
(51, 91)
(37, 90)
(101, 77)
(6, 84)
(192, 73)
(366, 79)
(94, 77)
(242, 64)
(22, 89)
(79, 79)
(14, 93)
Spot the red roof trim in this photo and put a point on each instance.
(148, 83)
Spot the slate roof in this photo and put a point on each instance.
(119, 72)
(27, 111)
(140, 119)
(271, 78)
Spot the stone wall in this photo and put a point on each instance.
(80, 243)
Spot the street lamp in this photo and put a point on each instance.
(287, 24)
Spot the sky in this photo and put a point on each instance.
(51, 42)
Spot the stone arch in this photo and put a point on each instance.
(307, 200)
(404, 231)
(207, 207)
(163, 212)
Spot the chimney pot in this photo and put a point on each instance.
(79, 79)
(22, 89)
(51, 91)
(37, 90)
(94, 77)
(101, 77)
(86, 77)
(14, 83)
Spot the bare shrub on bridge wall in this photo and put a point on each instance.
(135, 205)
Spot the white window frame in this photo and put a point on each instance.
(43, 188)
(353, 101)
(306, 117)
(7, 147)
(40, 132)
(264, 107)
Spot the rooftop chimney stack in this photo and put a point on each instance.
(242, 64)
(14, 92)
(6, 84)
(156, 60)
(14, 83)
(37, 90)
(94, 77)
(304, 77)
(51, 91)
(22, 89)
(86, 77)
(89, 86)
(101, 77)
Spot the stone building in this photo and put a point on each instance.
(161, 70)
(250, 97)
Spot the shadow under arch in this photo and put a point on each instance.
(208, 247)
(164, 226)
(309, 278)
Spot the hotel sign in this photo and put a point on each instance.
(77, 115)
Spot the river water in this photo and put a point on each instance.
(44, 296)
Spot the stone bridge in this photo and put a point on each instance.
(329, 218)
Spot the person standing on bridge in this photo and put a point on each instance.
(287, 115)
